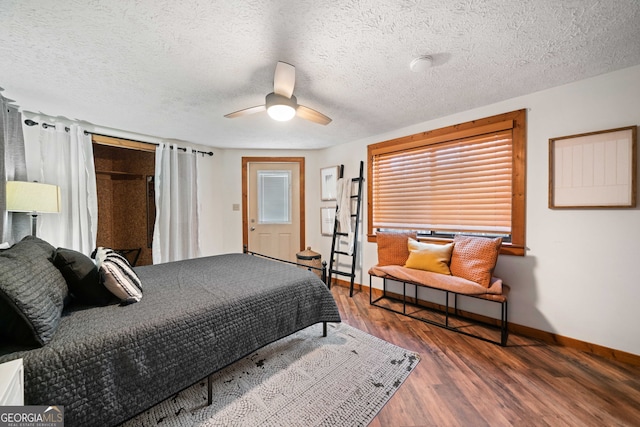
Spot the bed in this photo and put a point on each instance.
(107, 364)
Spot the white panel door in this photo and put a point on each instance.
(274, 209)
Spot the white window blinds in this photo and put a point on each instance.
(462, 185)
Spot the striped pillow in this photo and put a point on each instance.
(117, 276)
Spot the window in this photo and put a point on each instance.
(274, 197)
(468, 178)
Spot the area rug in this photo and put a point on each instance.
(343, 379)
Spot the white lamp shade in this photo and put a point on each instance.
(25, 196)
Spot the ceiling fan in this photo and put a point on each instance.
(280, 104)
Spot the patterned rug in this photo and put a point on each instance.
(302, 380)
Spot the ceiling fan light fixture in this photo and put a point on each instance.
(281, 113)
(280, 104)
(280, 107)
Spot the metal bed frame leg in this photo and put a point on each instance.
(209, 391)
(324, 329)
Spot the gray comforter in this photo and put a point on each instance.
(106, 364)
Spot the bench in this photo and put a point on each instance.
(467, 272)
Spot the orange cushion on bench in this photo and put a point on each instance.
(392, 247)
(474, 258)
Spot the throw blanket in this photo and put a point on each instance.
(344, 211)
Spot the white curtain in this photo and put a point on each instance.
(66, 159)
(175, 235)
(13, 226)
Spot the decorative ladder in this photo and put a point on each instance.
(336, 240)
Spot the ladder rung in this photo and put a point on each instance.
(338, 233)
(342, 273)
(342, 253)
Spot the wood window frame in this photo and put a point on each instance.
(517, 246)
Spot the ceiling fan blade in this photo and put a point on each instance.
(246, 111)
(284, 79)
(312, 115)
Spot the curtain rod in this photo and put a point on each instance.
(30, 122)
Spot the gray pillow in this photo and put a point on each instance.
(32, 291)
(82, 277)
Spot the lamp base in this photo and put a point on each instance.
(34, 221)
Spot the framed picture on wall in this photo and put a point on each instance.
(328, 183)
(327, 221)
(593, 170)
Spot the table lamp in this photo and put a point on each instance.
(32, 197)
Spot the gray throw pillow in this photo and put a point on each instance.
(82, 277)
(32, 290)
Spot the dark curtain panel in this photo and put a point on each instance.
(13, 167)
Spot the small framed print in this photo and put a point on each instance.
(327, 221)
(593, 170)
(328, 183)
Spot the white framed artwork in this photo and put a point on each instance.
(327, 221)
(593, 170)
(328, 183)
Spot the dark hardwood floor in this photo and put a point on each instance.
(462, 381)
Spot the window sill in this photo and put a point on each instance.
(506, 248)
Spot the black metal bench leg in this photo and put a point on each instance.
(324, 329)
(209, 391)
(455, 304)
(404, 297)
(446, 308)
(505, 325)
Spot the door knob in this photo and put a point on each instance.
(252, 228)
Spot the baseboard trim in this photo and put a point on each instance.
(544, 336)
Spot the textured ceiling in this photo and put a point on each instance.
(173, 68)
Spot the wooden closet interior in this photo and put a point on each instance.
(126, 201)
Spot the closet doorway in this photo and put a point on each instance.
(126, 201)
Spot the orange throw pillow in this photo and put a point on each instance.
(392, 247)
(474, 258)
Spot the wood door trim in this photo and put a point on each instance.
(123, 143)
(245, 193)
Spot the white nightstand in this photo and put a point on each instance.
(12, 383)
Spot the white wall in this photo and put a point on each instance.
(231, 180)
(579, 278)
